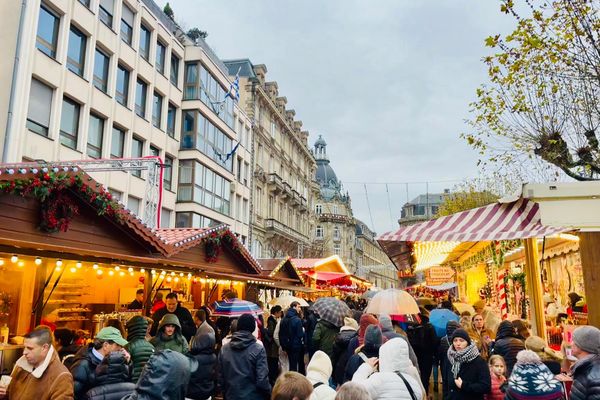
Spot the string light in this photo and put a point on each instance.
(99, 272)
(111, 272)
(117, 268)
(163, 272)
(181, 274)
(130, 269)
(176, 279)
(1, 262)
(78, 264)
(189, 276)
(172, 273)
(38, 261)
(59, 263)
(14, 258)
(121, 273)
(73, 270)
(169, 279)
(21, 263)
(95, 266)
(143, 271)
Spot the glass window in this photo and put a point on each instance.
(76, 52)
(101, 62)
(69, 123)
(157, 104)
(40, 102)
(154, 151)
(174, 69)
(122, 92)
(47, 32)
(95, 135)
(137, 151)
(117, 143)
(145, 36)
(320, 232)
(168, 173)
(140, 98)
(171, 115)
(133, 204)
(191, 81)
(161, 51)
(165, 218)
(106, 11)
(85, 3)
(127, 18)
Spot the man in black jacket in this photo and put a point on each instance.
(270, 344)
(188, 328)
(586, 371)
(291, 337)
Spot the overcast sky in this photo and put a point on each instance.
(387, 83)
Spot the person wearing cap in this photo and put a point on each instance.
(84, 365)
(586, 371)
(531, 379)
(548, 356)
(467, 375)
(243, 370)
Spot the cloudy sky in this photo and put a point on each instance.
(386, 82)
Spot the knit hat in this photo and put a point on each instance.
(587, 338)
(246, 323)
(373, 336)
(319, 368)
(365, 321)
(350, 322)
(461, 333)
(539, 346)
(386, 323)
(530, 379)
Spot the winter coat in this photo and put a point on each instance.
(476, 380)
(340, 356)
(357, 359)
(269, 341)
(318, 372)
(507, 345)
(112, 379)
(496, 393)
(586, 379)
(387, 329)
(309, 324)
(243, 370)
(49, 381)
(188, 328)
(165, 377)
(83, 370)
(175, 342)
(442, 354)
(386, 384)
(202, 349)
(291, 333)
(424, 341)
(138, 347)
(323, 337)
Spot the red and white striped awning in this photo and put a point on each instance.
(516, 220)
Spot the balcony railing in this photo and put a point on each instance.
(336, 218)
(279, 228)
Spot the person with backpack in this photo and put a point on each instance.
(370, 348)
(318, 372)
(291, 337)
(342, 340)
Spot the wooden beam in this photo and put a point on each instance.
(589, 249)
(533, 279)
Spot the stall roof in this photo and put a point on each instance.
(281, 269)
(331, 264)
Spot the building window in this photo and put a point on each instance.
(157, 104)
(137, 151)
(319, 209)
(201, 134)
(165, 218)
(145, 36)
(320, 232)
(334, 209)
(115, 194)
(336, 233)
(106, 11)
(95, 136)
(140, 98)
(161, 51)
(154, 151)
(174, 69)
(76, 52)
(40, 102)
(168, 173)
(69, 123)
(190, 91)
(337, 249)
(47, 31)
(133, 205)
(117, 143)
(122, 92)
(271, 207)
(202, 185)
(127, 18)
(419, 210)
(171, 115)
(273, 125)
(85, 3)
(101, 62)
(193, 220)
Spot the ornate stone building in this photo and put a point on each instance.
(371, 261)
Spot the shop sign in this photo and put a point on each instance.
(438, 275)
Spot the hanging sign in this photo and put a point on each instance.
(438, 275)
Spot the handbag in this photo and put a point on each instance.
(410, 391)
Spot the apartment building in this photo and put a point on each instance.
(102, 79)
(283, 168)
(368, 251)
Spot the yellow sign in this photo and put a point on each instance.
(439, 275)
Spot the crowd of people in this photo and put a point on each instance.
(295, 354)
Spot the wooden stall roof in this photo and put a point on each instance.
(282, 270)
(329, 264)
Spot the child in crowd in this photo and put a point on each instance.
(497, 371)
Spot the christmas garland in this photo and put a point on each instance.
(214, 243)
(57, 207)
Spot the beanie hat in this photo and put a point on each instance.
(319, 368)
(386, 323)
(350, 322)
(461, 333)
(530, 379)
(246, 323)
(587, 338)
(365, 321)
(539, 346)
(373, 336)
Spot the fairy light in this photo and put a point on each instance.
(59, 263)
(95, 266)
(14, 259)
(143, 271)
(73, 270)
(111, 272)
(130, 269)
(38, 261)
(21, 264)
(78, 264)
(99, 272)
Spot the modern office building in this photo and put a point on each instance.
(421, 208)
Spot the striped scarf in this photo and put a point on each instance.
(457, 358)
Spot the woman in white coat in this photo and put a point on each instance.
(318, 373)
(396, 378)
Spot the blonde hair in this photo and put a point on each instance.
(496, 357)
(291, 385)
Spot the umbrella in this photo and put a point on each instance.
(370, 293)
(392, 302)
(285, 301)
(426, 301)
(439, 318)
(464, 307)
(331, 310)
(233, 308)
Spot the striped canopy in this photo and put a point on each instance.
(233, 308)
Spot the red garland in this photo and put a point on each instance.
(57, 212)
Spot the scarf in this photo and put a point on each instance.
(457, 358)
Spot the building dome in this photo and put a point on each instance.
(325, 174)
(331, 187)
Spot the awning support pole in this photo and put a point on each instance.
(533, 278)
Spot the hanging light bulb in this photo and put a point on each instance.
(73, 270)
(169, 279)
(99, 272)
(176, 279)
(78, 264)
(111, 272)
(189, 276)
(59, 263)
(14, 258)
(172, 273)
(21, 263)
(95, 266)
(38, 261)
(143, 271)
(163, 272)
(153, 272)
(131, 274)
(117, 268)
(121, 273)
(1, 262)
(130, 269)
(181, 274)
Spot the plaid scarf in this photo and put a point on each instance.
(457, 358)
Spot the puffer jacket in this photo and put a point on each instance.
(138, 347)
(202, 349)
(386, 384)
(269, 340)
(165, 377)
(387, 329)
(83, 370)
(318, 372)
(175, 342)
(508, 345)
(323, 337)
(340, 356)
(112, 379)
(243, 370)
(586, 379)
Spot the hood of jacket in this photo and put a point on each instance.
(393, 356)
(451, 326)
(241, 340)
(204, 340)
(350, 324)
(137, 327)
(506, 329)
(386, 323)
(166, 376)
(292, 313)
(169, 319)
(112, 369)
(319, 368)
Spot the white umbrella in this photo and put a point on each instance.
(285, 301)
(392, 302)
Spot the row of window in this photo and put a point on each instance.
(320, 232)
(202, 185)
(201, 134)
(319, 209)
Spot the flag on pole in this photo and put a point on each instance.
(234, 88)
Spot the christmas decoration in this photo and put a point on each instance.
(5, 305)
(214, 243)
(502, 294)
